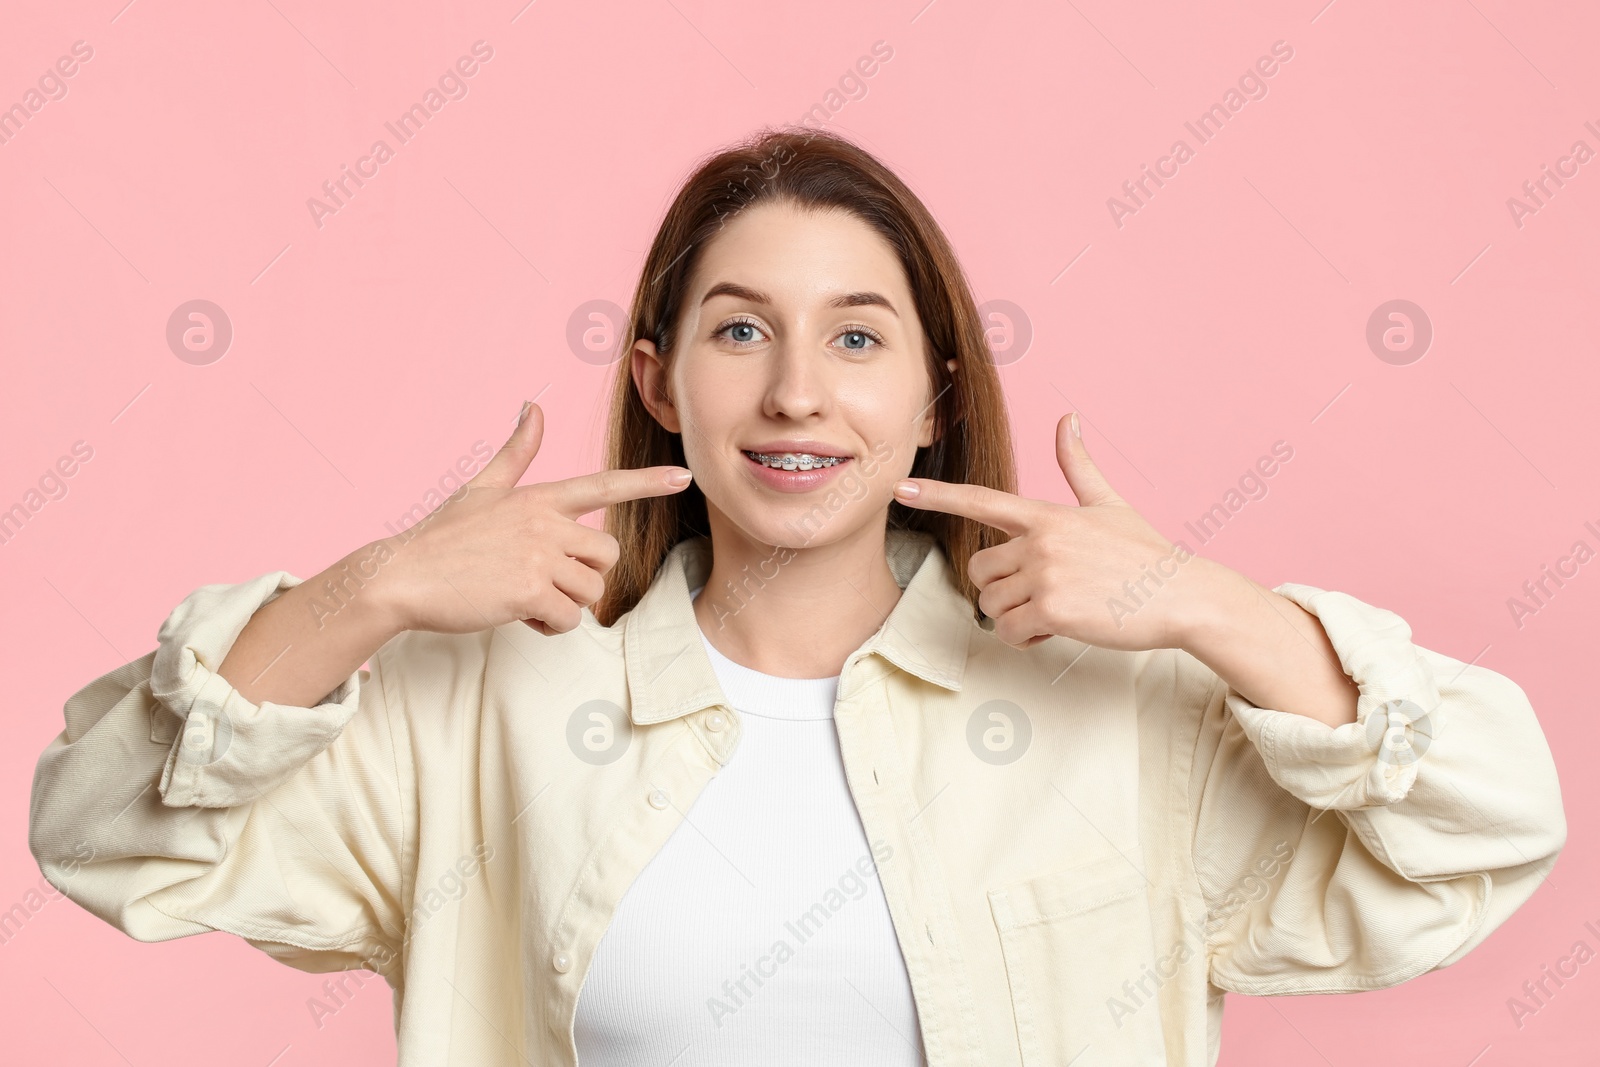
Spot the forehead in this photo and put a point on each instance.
(800, 255)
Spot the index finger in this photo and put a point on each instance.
(575, 497)
(992, 507)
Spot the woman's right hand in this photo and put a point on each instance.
(496, 551)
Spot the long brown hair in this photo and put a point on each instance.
(821, 171)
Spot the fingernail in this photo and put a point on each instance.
(1075, 431)
(907, 489)
(679, 478)
(523, 417)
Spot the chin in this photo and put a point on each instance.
(803, 524)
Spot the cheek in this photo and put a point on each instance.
(889, 433)
(709, 406)
(892, 464)
(713, 409)
(713, 471)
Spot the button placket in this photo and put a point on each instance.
(646, 815)
(717, 727)
(939, 982)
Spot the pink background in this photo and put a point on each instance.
(369, 354)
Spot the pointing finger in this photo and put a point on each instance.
(575, 497)
(1004, 511)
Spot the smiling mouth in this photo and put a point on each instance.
(794, 461)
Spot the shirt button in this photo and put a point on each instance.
(716, 721)
(561, 962)
(658, 799)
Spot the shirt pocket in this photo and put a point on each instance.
(1070, 940)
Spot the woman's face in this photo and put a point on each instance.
(798, 338)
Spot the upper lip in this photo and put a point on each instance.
(814, 448)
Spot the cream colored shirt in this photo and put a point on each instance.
(1082, 850)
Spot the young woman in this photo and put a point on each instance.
(839, 753)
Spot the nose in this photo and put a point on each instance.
(797, 387)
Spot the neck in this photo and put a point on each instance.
(795, 612)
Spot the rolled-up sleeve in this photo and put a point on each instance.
(170, 805)
(1334, 859)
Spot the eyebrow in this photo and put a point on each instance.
(843, 300)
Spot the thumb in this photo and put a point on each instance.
(1088, 484)
(511, 462)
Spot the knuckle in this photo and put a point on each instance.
(610, 484)
(1057, 611)
(535, 499)
(531, 601)
(540, 512)
(589, 587)
(566, 619)
(546, 610)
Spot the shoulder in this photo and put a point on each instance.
(421, 669)
(1066, 662)
(1163, 685)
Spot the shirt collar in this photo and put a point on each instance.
(670, 675)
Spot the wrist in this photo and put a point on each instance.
(1200, 616)
(361, 589)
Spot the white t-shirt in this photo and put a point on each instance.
(759, 933)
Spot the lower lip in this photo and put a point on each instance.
(795, 481)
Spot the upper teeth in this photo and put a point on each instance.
(792, 461)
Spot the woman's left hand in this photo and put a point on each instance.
(1097, 573)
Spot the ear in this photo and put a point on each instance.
(925, 428)
(650, 378)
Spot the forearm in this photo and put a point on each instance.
(1266, 647)
(301, 646)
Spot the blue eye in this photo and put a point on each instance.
(856, 337)
(745, 338)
